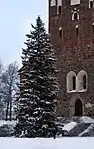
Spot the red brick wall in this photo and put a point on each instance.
(73, 52)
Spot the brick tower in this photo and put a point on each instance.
(71, 25)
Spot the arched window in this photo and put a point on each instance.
(53, 2)
(71, 81)
(82, 81)
(75, 16)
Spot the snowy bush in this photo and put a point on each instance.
(6, 131)
(89, 110)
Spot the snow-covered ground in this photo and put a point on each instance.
(62, 143)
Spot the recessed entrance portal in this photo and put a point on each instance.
(78, 108)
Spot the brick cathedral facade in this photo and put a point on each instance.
(71, 25)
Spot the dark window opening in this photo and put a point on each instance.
(93, 28)
(77, 31)
(59, 9)
(78, 108)
(60, 33)
(84, 82)
(91, 4)
(75, 16)
(74, 83)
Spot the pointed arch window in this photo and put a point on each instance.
(78, 108)
(75, 16)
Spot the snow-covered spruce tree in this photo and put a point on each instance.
(36, 109)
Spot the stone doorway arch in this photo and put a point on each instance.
(78, 108)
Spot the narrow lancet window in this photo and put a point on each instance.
(59, 9)
(77, 30)
(60, 32)
(91, 4)
(93, 27)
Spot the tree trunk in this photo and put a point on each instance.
(7, 110)
(10, 118)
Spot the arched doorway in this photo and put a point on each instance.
(78, 108)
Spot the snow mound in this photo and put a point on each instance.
(86, 119)
(69, 126)
(6, 131)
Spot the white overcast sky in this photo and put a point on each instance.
(15, 19)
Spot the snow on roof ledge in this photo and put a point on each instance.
(69, 126)
(75, 2)
(66, 143)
